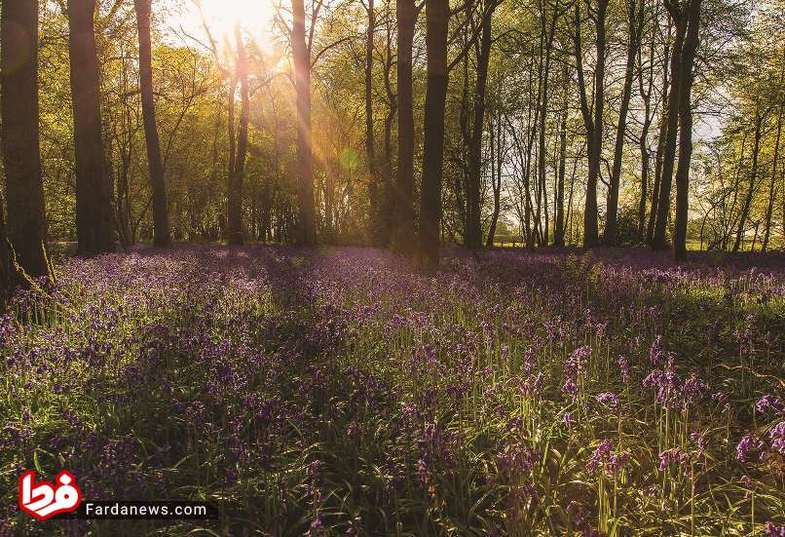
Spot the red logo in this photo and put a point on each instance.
(43, 500)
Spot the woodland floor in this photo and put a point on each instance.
(337, 391)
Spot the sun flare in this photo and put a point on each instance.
(254, 17)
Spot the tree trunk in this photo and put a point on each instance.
(404, 191)
(645, 92)
(635, 23)
(669, 155)
(461, 180)
(473, 237)
(531, 119)
(662, 134)
(593, 125)
(685, 130)
(773, 182)
(370, 150)
(497, 156)
(302, 77)
(387, 196)
(745, 209)
(157, 182)
(558, 235)
(437, 16)
(546, 72)
(234, 231)
(20, 144)
(94, 228)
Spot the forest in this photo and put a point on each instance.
(411, 268)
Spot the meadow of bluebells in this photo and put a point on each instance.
(338, 392)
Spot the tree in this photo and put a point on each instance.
(773, 180)
(547, 35)
(473, 234)
(635, 19)
(239, 149)
(157, 182)
(21, 153)
(388, 197)
(661, 141)
(403, 232)
(645, 90)
(753, 180)
(437, 16)
(686, 78)
(302, 83)
(94, 228)
(679, 18)
(558, 235)
(374, 192)
(497, 150)
(593, 124)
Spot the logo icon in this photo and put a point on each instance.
(43, 500)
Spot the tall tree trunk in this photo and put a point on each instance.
(370, 150)
(497, 156)
(662, 134)
(437, 16)
(234, 231)
(635, 23)
(593, 124)
(671, 129)
(745, 209)
(461, 180)
(122, 204)
(473, 237)
(531, 120)
(404, 191)
(387, 196)
(302, 77)
(549, 33)
(534, 129)
(94, 228)
(157, 182)
(645, 91)
(773, 182)
(20, 146)
(686, 79)
(558, 235)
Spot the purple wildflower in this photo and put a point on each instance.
(576, 363)
(608, 399)
(570, 388)
(700, 443)
(774, 531)
(694, 389)
(516, 461)
(422, 472)
(656, 352)
(624, 369)
(769, 402)
(746, 447)
(600, 456)
(672, 456)
(777, 436)
(666, 382)
(568, 420)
